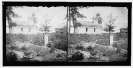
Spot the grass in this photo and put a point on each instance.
(101, 39)
(60, 42)
(103, 50)
(36, 49)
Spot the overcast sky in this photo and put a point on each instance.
(57, 14)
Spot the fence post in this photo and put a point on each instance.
(111, 39)
(46, 39)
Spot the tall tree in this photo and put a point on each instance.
(110, 25)
(45, 27)
(9, 15)
(73, 15)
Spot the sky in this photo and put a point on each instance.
(121, 12)
(57, 15)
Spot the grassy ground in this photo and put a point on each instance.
(33, 47)
(60, 40)
(100, 52)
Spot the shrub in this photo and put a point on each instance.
(8, 39)
(38, 40)
(118, 36)
(11, 56)
(106, 50)
(34, 48)
(12, 38)
(61, 41)
(77, 56)
(103, 42)
(118, 57)
(121, 44)
(19, 37)
(79, 47)
(102, 39)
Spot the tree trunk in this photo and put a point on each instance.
(109, 37)
(44, 38)
(69, 26)
(74, 26)
(74, 30)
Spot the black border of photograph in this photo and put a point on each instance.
(56, 4)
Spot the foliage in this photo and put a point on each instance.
(60, 38)
(9, 15)
(8, 39)
(61, 41)
(38, 40)
(45, 27)
(34, 18)
(34, 39)
(74, 14)
(11, 56)
(109, 28)
(34, 52)
(98, 17)
(77, 56)
(101, 39)
(110, 25)
(12, 38)
(121, 44)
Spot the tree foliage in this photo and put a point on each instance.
(109, 28)
(74, 14)
(110, 25)
(34, 18)
(9, 15)
(45, 27)
(98, 16)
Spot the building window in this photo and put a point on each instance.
(94, 29)
(21, 29)
(29, 29)
(86, 29)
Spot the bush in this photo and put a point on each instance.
(11, 47)
(106, 50)
(8, 39)
(121, 44)
(12, 38)
(77, 56)
(38, 40)
(103, 42)
(79, 47)
(19, 37)
(102, 39)
(11, 56)
(61, 42)
(118, 57)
